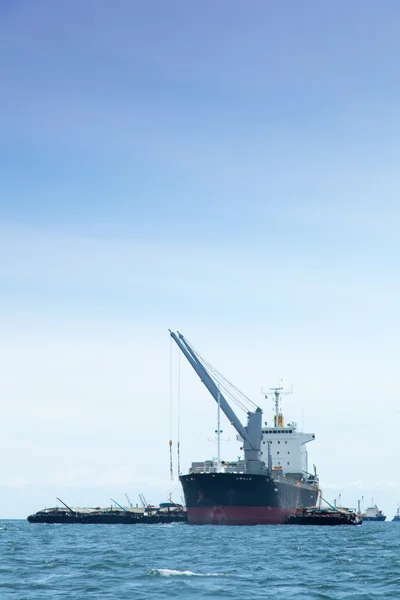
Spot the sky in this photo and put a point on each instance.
(226, 169)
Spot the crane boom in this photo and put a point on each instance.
(208, 382)
(69, 508)
(251, 434)
(119, 505)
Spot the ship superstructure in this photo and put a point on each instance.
(284, 446)
(272, 479)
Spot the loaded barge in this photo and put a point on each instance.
(324, 516)
(167, 512)
(270, 483)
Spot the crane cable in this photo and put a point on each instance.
(179, 407)
(238, 397)
(170, 412)
(227, 385)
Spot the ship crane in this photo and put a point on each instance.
(251, 434)
(143, 501)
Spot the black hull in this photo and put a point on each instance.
(239, 499)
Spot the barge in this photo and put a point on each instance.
(324, 516)
(167, 512)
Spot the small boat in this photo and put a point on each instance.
(397, 515)
(324, 516)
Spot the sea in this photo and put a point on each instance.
(158, 562)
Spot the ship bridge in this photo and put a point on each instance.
(283, 447)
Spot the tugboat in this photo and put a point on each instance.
(373, 514)
(269, 483)
(397, 515)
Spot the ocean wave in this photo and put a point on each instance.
(175, 572)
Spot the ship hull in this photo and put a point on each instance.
(380, 518)
(238, 499)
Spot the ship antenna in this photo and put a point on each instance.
(218, 431)
(278, 392)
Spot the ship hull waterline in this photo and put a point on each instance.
(238, 499)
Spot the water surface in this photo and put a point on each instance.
(39, 562)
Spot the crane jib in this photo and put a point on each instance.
(251, 434)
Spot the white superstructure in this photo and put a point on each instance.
(283, 447)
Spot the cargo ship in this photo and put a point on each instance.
(373, 514)
(271, 481)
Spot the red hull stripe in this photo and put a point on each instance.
(238, 515)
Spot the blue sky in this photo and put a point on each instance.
(228, 169)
